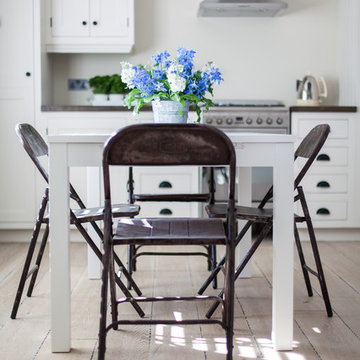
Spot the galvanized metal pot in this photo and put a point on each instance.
(168, 111)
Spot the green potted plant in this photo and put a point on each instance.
(100, 86)
(118, 89)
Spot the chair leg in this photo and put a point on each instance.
(99, 255)
(320, 273)
(25, 271)
(222, 261)
(133, 257)
(103, 311)
(30, 253)
(213, 265)
(229, 301)
(130, 263)
(112, 278)
(127, 275)
(243, 263)
(302, 261)
(38, 261)
(209, 250)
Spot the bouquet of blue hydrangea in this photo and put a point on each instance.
(170, 79)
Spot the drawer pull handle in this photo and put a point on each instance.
(323, 157)
(165, 185)
(165, 212)
(323, 211)
(323, 184)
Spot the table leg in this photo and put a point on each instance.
(93, 200)
(60, 305)
(283, 246)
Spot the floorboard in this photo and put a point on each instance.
(316, 337)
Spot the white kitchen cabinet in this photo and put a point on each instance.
(89, 26)
(18, 204)
(331, 183)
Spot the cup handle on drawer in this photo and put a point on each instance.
(165, 212)
(165, 184)
(323, 157)
(323, 211)
(323, 184)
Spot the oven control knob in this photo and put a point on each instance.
(259, 120)
(269, 121)
(208, 120)
(229, 121)
(219, 121)
(279, 121)
(249, 121)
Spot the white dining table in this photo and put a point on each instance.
(252, 150)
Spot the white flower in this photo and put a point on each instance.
(127, 74)
(177, 83)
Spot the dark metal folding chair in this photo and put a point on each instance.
(36, 148)
(168, 145)
(308, 150)
(134, 252)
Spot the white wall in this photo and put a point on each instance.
(260, 58)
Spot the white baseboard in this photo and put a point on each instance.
(23, 235)
(332, 234)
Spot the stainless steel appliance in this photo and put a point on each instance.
(265, 116)
(311, 90)
(245, 8)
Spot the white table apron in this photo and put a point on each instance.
(251, 149)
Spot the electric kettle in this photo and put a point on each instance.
(310, 90)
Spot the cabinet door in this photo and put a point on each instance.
(70, 18)
(17, 180)
(109, 18)
(89, 26)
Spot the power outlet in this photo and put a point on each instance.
(78, 84)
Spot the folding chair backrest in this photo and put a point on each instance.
(170, 144)
(310, 147)
(34, 145)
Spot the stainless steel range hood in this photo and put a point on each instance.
(241, 8)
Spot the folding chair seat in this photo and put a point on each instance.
(308, 150)
(134, 252)
(167, 145)
(36, 148)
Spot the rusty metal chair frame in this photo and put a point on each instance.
(168, 145)
(308, 149)
(134, 251)
(36, 147)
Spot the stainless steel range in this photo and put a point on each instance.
(265, 116)
(249, 115)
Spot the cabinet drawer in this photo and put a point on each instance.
(166, 209)
(332, 156)
(328, 210)
(149, 183)
(325, 183)
(339, 128)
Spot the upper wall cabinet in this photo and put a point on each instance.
(89, 26)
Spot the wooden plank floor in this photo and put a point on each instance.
(315, 335)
